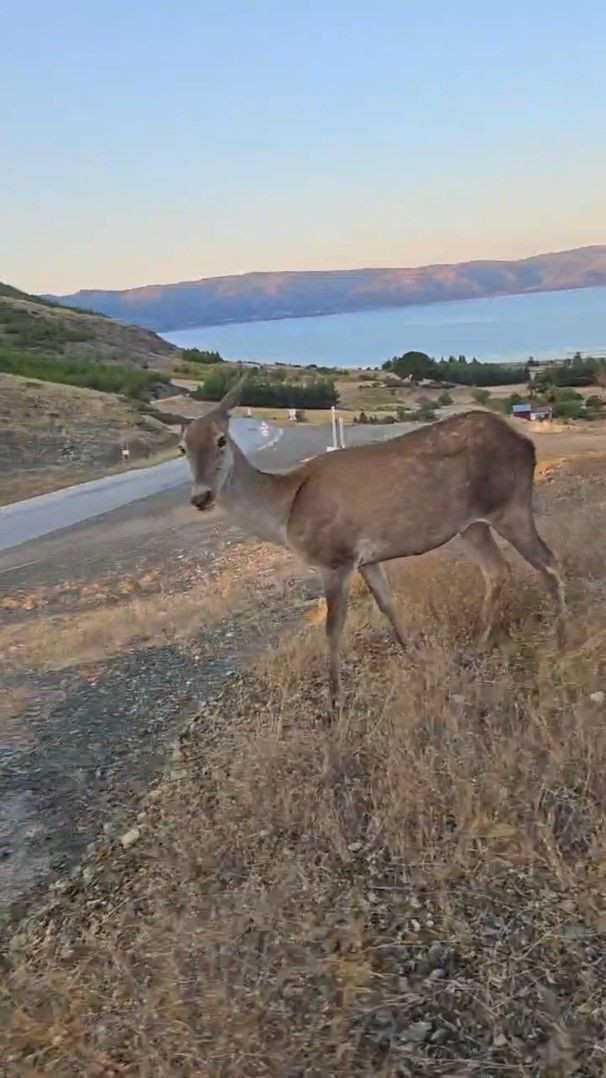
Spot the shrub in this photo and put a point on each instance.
(569, 409)
(444, 399)
(565, 393)
(595, 403)
(376, 420)
(481, 396)
(423, 415)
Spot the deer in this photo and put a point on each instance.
(468, 475)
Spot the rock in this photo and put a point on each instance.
(88, 874)
(500, 1040)
(597, 697)
(130, 837)
(417, 1033)
(576, 931)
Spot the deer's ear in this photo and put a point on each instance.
(232, 398)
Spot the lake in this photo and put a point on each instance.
(545, 325)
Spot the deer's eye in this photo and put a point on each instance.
(221, 441)
(181, 449)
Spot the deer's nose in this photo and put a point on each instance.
(202, 500)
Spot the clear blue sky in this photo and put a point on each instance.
(154, 141)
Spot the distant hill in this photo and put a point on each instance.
(38, 324)
(252, 296)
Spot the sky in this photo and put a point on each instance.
(146, 141)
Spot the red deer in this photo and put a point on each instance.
(353, 510)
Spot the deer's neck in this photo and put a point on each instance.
(257, 501)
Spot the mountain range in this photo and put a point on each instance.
(250, 297)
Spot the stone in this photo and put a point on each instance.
(417, 1033)
(130, 837)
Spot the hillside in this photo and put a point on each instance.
(35, 324)
(252, 296)
(57, 435)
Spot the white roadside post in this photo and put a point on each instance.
(341, 432)
(335, 430)
(333, 416)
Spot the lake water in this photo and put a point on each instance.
(544, 325)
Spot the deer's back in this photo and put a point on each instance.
(409, 494)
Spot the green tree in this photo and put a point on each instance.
(414, 365)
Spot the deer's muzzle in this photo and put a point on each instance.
(202, 500)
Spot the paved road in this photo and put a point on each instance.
(270, 447)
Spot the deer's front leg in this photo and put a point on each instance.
(336, 585)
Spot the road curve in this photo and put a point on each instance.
(47, 513)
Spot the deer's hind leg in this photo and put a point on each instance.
(517, 525)
(377, 583)
(479, 541)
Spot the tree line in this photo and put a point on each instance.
(418, 367)
(200, 355)
(261, 391)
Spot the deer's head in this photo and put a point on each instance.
(204, 442)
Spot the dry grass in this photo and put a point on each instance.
(113, 625)
(416, 891)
